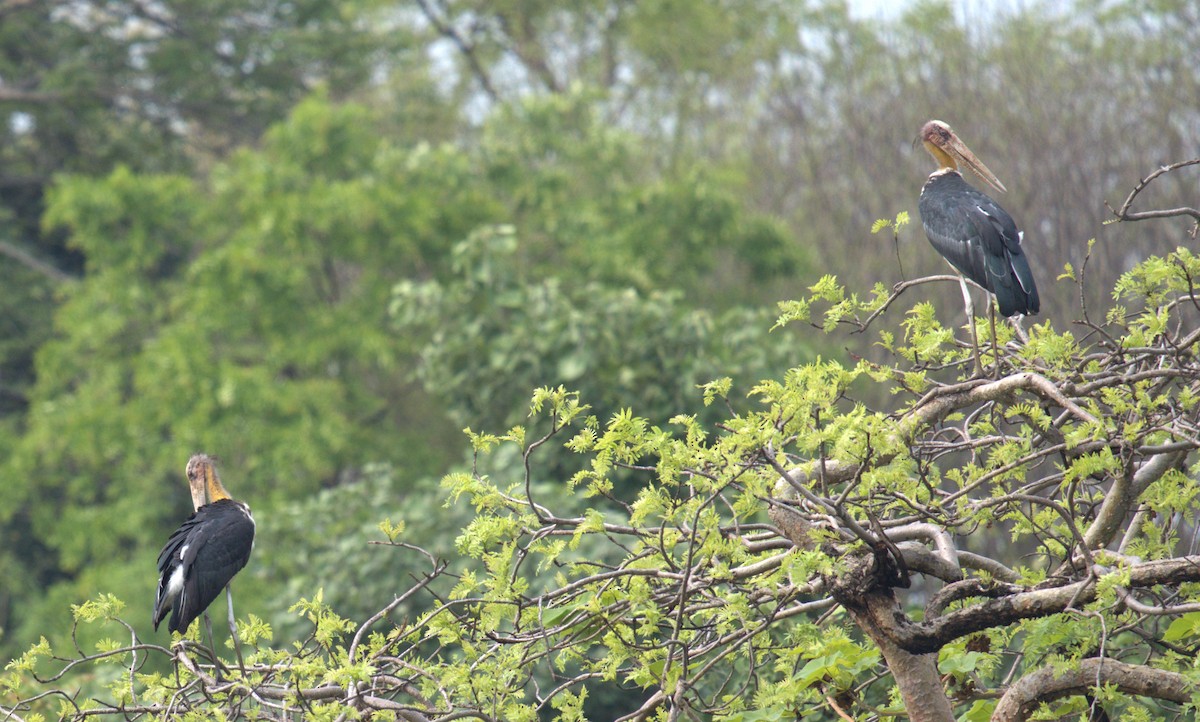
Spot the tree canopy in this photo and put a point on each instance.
(757, 479)
(810, 556)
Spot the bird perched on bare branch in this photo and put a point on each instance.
(204, 554)
(971, 231)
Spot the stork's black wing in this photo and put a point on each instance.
(980, 239)
(200, 558)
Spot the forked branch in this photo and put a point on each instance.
(1125, 214)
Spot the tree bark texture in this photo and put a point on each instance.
(916, 674)
(1024, 697)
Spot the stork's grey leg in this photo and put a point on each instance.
(1019, 329)
(970, 307)
(212, 647)
(233, 636)
(995, 343)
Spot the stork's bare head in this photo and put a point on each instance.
(946, 148)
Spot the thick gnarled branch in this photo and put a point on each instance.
(1046, 684)
(932, 634)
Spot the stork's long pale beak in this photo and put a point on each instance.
(963, 154)
(206, 486)
(944, 145)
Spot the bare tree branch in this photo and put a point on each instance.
(9, 94)
(1124, 494)
(528, 49)
(932, 634)
(469, 52)
(1124, 214)
(27, 259)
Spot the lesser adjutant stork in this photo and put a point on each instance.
(201, 557)
(971, 231)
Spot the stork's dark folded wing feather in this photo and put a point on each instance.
(210, 548)
(980, 239)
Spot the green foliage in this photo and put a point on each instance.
(187, 334)
(607, 165)
(121, 89)
(333, 540)
(106, 606)
(328, 626)
(686, 581)
(515, 331)
(894, 225)
(980, 711)
(243, 312)
(834, 661)
(584, 196)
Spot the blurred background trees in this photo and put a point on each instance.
(318, 238)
